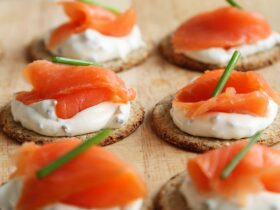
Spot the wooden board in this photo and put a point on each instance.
(22, 21)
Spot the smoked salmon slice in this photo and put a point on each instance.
(74, 87)
(225, 27)
(84, 16)
(257, 171)
(94, 179)
(244, 93)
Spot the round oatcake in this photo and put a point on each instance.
(15, 130)
(164, 127)
(169, 196)
(253, 62)
(36, 51)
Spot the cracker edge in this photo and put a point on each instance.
(162, 124)
(169, 196)
(15, 131)
(253, 62)
(37, 51)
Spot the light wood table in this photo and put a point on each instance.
(22, 21)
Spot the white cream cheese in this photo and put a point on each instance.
(222, 56)
(41, 117)
(9, 194)
(256, 201)
(91, 45)
(11, 191)
(224, 125)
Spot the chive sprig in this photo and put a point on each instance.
(234, 4)
(106, 7)
(98, 138)
(225, 76)
(235, 161)
(73, 62)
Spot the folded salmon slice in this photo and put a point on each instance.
(93, 179)
(257, 171)
(244, 93)
(225, 27)
(84, 16)
(74, 87)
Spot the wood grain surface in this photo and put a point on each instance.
(22, 21)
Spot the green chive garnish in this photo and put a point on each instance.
(234, 162)
(234, 4)
(99, 137)
(224, 78)
(73, 62)
(98, 4)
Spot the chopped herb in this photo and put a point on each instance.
(96, 3)
(224, 78)
(99, 137)
(73, 62)
(234, 162)
(234, 4)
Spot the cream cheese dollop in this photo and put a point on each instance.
(224, 125)
(222, 56)
(41, 117)
(263, 200)
(93, 46)
(11, 191)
